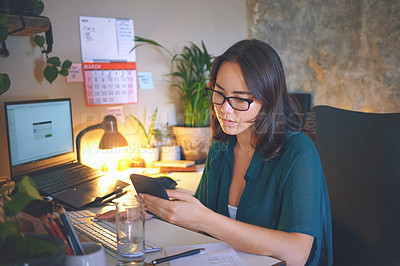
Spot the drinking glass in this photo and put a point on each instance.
(129, 218)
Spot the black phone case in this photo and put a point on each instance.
(148, 185)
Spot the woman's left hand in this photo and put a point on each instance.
(183, 210)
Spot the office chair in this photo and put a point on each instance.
(304, 102)
(360, 155)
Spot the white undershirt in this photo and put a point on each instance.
(232, 211)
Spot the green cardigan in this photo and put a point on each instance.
(286, 193)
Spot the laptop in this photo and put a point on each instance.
(41, 145)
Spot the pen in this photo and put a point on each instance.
(99, 200)
(176, 256)
(119, 194)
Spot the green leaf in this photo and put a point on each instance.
(66, 64)
(4, 83)
(147, 41)
(39, 40)
(31, 246)
(38, 7)
(55, 61)
(17, 204)
(3, 33)
(153, 120)
(28, 186)
(144, 40)
(140, 125)
(27, 191)
(8, 228)
(63, 72)
(50, 73)
(149, 134)
(3, 19)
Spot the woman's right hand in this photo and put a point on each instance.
(107, 216)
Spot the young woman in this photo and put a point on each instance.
(262, 190)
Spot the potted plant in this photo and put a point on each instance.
(148, 151)
(17, 248)
(4, 78)
(165, 139)
(54, 66)
(191, 75)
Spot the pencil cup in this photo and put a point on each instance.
(93, 255)
(130, 231)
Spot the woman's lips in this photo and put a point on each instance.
(228, 122)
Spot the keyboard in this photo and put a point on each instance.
(101, 232)
(56, 179)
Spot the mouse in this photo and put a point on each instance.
(168, 182)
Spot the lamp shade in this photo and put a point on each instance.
(111, 138)
(109, 141)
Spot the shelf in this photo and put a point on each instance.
(33, 24)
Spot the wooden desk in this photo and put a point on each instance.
(168, 235)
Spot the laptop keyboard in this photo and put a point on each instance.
(101, 232)
(63, 177)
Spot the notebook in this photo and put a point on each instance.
(41, 145)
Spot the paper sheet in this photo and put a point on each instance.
(216, 254)
(109, 68)
(107, 39)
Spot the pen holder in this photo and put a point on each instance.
(94, 255)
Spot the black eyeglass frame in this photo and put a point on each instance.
(249, 101)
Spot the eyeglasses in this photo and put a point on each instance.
(217, 97)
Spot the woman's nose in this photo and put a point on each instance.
(226, 107)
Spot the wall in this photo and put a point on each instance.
(346, 53)
(173, 23)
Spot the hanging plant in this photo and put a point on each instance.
(54, 66)
(4, 78)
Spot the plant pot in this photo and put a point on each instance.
(150, 155)
(25, 7)
(8, 7)
(57, 257)
(170, 153)
(195, 142)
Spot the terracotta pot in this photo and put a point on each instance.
(195, 142)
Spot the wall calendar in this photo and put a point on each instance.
(109, 67)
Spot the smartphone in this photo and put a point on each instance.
(148, 185)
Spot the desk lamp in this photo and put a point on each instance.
(111, 138)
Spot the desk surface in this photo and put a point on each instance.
(168, 235)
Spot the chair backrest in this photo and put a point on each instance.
(360, 155)
(304, 102)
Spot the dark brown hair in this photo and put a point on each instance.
(263, 73)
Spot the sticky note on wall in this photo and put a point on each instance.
(145, 80)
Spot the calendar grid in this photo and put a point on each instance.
(110, 83)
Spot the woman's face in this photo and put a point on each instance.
(231, 83)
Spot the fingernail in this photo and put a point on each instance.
(98, 220)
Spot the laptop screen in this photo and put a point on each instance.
(39, 134)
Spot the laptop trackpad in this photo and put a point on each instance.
(82, 194)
